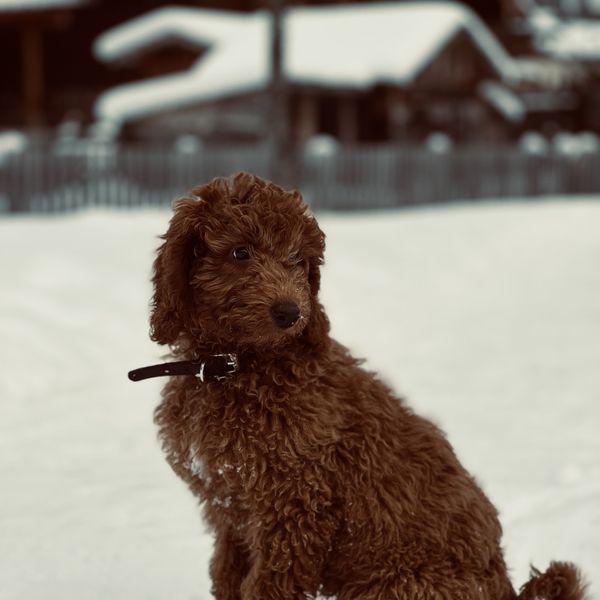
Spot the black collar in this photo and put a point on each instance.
(214, 367)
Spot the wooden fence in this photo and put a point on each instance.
(350, 178)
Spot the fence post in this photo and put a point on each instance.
(18, 196)
(356, 177)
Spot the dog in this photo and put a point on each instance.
(314, 477)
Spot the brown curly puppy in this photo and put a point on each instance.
(314, 476)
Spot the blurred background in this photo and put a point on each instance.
(451, 153)
(360, 105)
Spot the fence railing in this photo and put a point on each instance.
(54, 179)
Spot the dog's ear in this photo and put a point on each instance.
(172, 294)
(315, 242)
(314, 275)
(317, 330)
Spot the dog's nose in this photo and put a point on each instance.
(285, 314)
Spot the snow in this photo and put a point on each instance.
(577, 39)
(32, 5)
(391, 42)
(542, 19)
(338, 46)
(485, 315)
(11, 142)
(504, 100)
(196, 27)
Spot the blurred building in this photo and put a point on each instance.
(477, 71)
(561, 80)
(25, 27)
(379, 72)
(48, 70)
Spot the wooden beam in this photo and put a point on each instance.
(306, 121)
(32, 74)
(348, 119)
(279, 119)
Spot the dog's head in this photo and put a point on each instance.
(239, 267)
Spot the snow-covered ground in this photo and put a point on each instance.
(486, 316)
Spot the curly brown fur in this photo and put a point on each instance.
(561, 581)
(312, 474)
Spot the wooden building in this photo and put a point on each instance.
(25, 27)
(48, 70)
(393, 71)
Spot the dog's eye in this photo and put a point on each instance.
(295, 258)
(241, 253)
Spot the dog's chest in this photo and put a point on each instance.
(222, 482)
(233, 445)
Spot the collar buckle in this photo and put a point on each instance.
(221, 367)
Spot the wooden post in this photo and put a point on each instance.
(348, 119)
(278, 117)
(306, 119)
(32, 74)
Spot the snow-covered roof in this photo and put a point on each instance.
(504, 100)
(33, 5)
(576, 40)
(345, 46)
(573, 39)
(201, 27)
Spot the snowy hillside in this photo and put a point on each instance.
(487, 317)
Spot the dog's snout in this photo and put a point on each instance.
(285, 314)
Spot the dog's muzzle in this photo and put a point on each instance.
(285, 314)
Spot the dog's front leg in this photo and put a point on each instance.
(293, 581)
(228, 567)
(265, 582)
(289, 553)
